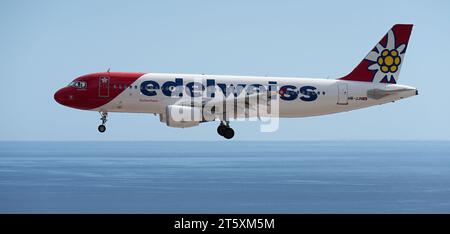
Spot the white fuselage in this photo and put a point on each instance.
(320, 97)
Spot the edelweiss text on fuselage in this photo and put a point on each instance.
(195, 89)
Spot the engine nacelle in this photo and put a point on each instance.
(181, 116)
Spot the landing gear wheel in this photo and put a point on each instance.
(104, 116)
(221, 129)
(228, 133)
(102, 128)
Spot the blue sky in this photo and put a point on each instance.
(46, 44)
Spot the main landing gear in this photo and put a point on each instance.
(102, 127)
(225, 130)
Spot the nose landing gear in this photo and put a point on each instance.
(102, 127)
(225, 130)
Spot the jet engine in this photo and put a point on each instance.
(181, 116)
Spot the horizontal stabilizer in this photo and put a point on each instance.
(381, 93)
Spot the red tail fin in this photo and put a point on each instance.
(383, 63)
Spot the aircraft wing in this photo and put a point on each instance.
(243, 106)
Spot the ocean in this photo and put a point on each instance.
(225, 177)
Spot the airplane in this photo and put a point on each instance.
(219, 97)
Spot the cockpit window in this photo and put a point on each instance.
(78, 84)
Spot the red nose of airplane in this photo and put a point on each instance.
(61, 97)
(58, 97)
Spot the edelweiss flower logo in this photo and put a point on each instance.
(389, 61)
(386, 60)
